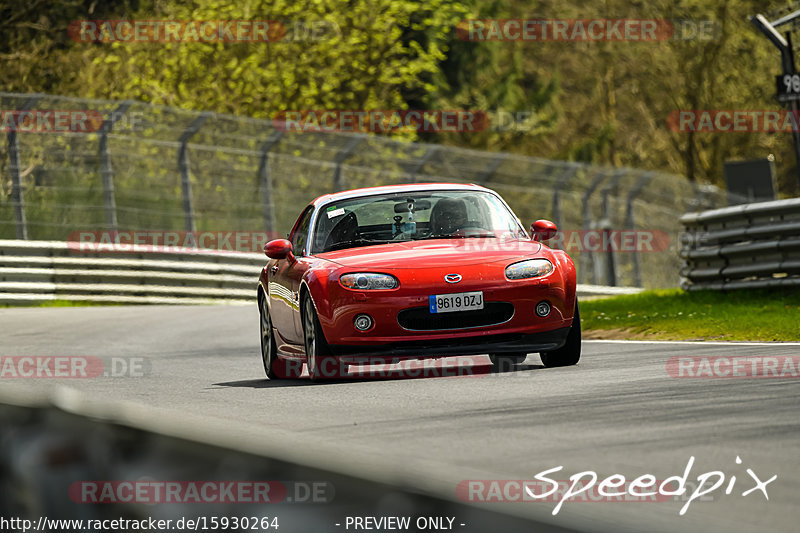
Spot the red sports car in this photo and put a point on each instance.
(412, 272)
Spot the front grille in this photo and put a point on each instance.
(421, 319)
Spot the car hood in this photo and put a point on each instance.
(433, 253)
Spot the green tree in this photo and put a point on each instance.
(360, 62)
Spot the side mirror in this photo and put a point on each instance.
(279, 249)
(543, 230)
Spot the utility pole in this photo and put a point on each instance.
(788, 83)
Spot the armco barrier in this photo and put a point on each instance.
(748, 246)
(37, 271)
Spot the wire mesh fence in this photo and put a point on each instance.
(73, 164)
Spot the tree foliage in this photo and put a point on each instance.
(604, 102)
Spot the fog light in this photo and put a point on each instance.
(543, 309)
(363, 322)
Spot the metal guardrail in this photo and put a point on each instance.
(749, 246)
(40, 271)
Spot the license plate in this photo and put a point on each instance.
(460, 301)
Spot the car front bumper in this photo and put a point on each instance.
(485, 344)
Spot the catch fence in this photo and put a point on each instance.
(143, 167)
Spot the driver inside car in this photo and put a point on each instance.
(448, 216)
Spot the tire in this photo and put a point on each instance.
(505, 362)
(570, 353)
(274, 366)
(321, 365)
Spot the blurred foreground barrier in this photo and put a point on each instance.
(40, 271)
(80, 462)
(750, 246)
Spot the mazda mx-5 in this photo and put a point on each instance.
(414, 271)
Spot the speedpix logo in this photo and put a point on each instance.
(587, 486)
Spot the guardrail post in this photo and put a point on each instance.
(17, 197)
(104, 163)
(630, 223)
(429, 153)
(265, 181)
(183, 166)
(347, 151)
(587, 258)
(605, 225)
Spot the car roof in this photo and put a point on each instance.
(393, 189)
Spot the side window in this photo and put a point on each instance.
(299, 236)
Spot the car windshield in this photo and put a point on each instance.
(411, 216)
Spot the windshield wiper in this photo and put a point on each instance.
(353, 243)
(482, 236)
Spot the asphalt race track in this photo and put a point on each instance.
(617, 412)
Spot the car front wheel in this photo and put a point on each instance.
(321, 365)
(570, 353)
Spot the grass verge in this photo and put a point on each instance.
(704, 315)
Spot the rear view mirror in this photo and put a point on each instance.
(543, 230)
(412, 205)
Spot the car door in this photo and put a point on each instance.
(284, 282)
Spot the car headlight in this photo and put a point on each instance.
(532, 268)
(368, 281)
